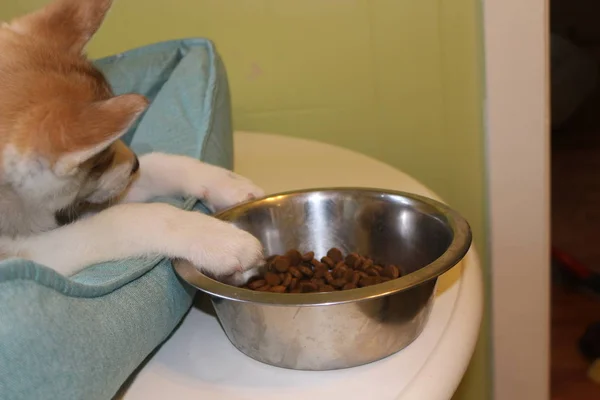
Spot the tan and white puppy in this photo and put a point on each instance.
(61, 158)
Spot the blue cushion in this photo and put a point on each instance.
(81, 337)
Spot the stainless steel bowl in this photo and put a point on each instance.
(324, 331)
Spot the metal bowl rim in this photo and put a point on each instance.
(458, 248)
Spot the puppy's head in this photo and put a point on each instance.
(60, 123)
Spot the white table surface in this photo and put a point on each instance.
(198, 361)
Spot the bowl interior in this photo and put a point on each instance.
(408, 231)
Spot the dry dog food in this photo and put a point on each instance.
(294, 272)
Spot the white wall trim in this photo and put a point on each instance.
(518, 152)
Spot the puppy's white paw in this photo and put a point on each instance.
(218, 248)
(230, 189)
(240, 278)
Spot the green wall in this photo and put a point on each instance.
(398, 80)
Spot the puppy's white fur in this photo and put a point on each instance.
(129, 230)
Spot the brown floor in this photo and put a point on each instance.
(576, 231)
(572, 312)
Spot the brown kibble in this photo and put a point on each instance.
(295, 272)
(326, 288)
(307, 287)
(355, 277)
(328, 261)
(335, 254)
(359, 263)
(349, 275)
(367, 281)
(305, 271)
(318, 281)
(338, 283)
(351, 259)
(328, 277)
(272, 279)
(339, 272)
(269, 262)
(281, 264)
(294, 256)
(391, 271)
(320, 272)
(287, 279)
(256, 284)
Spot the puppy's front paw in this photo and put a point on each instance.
(221, 250)
(239, 278)
(231, 189)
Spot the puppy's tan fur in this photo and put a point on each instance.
(60, 153)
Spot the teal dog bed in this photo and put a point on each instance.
(81, 337)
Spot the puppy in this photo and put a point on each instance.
(71, 192)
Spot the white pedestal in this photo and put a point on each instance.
(198, 362)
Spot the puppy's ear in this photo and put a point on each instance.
(70, 24)
(97, 127)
